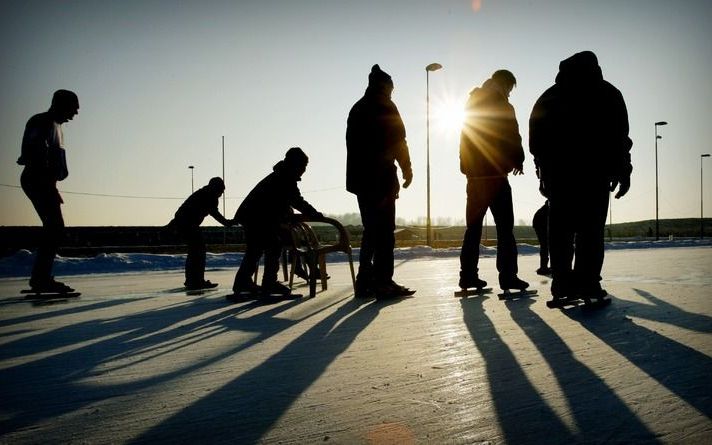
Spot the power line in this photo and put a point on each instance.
(108, 195)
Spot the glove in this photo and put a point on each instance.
(623, 185)
(407, 178)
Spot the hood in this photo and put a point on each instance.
(581, 68)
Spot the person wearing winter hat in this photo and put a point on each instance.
(375, 141)
(187, 222)
(262, 213)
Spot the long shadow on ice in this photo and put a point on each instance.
(523, 414)
(255, 400)
(49, 387)
(600, 415)
(73, 309)
(681, 369)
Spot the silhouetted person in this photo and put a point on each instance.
(490, 148)
(187, 222)
(541, 227)
(579, 138)
(44, 159)
(262, 214)
(375, 140)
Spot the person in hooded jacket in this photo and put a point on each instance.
(578, 135)
(490, 148)
(44, 161)
(262, 213)
(375, 141)
(187, 222)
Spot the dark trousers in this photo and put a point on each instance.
(577, 218)
(492, 193)
(47, 201)
(259, 240)
(541, 227)
(195, 260)
(378, 216)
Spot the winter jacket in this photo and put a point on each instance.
(490, 144)
(578, 129)
(270, 202)
(193, 211)
(375, 138)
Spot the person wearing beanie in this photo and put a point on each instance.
(375, 142)
(262, 213)
(187, 222)
(578, 135)
(490, 148)
(44, 160)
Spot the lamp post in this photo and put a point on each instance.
(702, 214)
(657, 221)
(428, 69)
(191, 178)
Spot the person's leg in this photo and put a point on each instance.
(562, 208)
(503, 214)
(364, 278)
(272, 251)
(590, 239)
(385, 241)
(477, 204)
(47, 203)
(248, 266)
(195, 260)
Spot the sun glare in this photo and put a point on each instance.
(448, 115)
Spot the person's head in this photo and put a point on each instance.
(217, 185)
(580, 69)
(379, 80)
(505, 80)
(296, 161)
(65, 105)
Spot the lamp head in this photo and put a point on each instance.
(190, 167)
(706, 155)
(433, 67)
(658, 137)
(660, 123)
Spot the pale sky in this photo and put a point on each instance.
(160, 82)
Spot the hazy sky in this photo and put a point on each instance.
(160, 82)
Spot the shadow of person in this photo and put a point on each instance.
(263, 394)
(595, 407)
(36, 389)
(522, 413)
(681, 369)
(665, 312)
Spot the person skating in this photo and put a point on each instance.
(579, 139)
(375, 141)
(187, 222)
(490, 148)
(44, 160)
(262, 214)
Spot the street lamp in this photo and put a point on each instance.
(657, 221)
(702, 215)
(428, 69)
(191, 178)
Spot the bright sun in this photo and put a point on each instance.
(448, 115)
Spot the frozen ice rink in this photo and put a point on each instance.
(136, 360)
